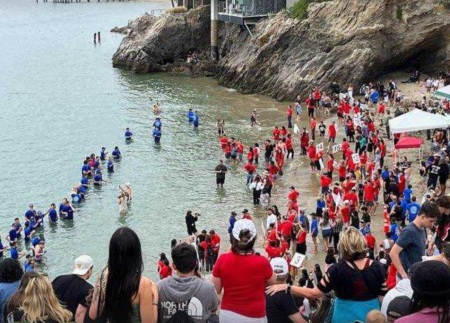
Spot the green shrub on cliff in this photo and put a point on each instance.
(300, 9)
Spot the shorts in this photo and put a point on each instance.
(368, 203)
(227, 155)
(341, 179)
(233, 156)
(314, 234)
(326, 233)
(325, 190)
(191, 230)
(220, 180)
(331, 139)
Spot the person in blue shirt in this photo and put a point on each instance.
(314, 230)
(37, 239)
(76, 197)
(128, 134)
(85, 181)
(52, 214)
(28, 265)
(190, 116)
(103, 154)
(12, 236)
(18, 227)
(408, 193)
(86, 169)
(319, 206)
(67, 211)
(97, 163)
(374, 96)
(110, 166)
(157, 135)
(412, 209)
(98, 178)
(385, 173)
(13, 251)
(157, 124)
(31, 212)
(196, 119)
(403, 204)
(116, 153)
(394, 230)
(28, 232)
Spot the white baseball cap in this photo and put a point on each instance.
(279, 266)
(82, 265)
(244, 224)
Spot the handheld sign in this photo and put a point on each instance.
(296, 129)
(336, 148)
(319, 147)
(297, 260)
(355, 158)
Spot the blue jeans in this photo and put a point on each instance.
(249, 178)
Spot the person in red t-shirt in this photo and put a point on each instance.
(345, 212)
(311, 105)
(223, 141)
(293, 194)
(345, 147)
(289, 112)
(342, 171)
(312, 127)
(215, 243)
(276, 134)
(371, 243)
(312, 156)
(369, 196)
(240, 274)
(289, 146)
(166, 270)
(332, 132)
(246, 215)
(250, 168)
(325, 182)
(272, 250)
(286, 228)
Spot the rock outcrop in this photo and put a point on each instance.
(156, 44)
(348, 41)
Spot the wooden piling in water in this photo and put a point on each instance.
(95, 38)
(98, 37)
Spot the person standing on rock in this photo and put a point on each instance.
(289, 113)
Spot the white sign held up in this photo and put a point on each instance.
(355, 158)
(336, 148)
(297, 260)
(319, 147)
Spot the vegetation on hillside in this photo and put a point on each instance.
(300, 9)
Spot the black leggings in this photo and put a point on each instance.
(311, 112)
(290, 152)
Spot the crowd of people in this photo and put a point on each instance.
(403, 278)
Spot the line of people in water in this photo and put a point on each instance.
(33, 227)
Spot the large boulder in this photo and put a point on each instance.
(348, 41)
(153, 42)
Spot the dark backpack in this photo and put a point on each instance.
(181, 316)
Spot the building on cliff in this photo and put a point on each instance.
(245, 11)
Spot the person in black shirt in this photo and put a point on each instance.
(221, 170)
(72, 290)
(433, 172)
(443, 174)
(281, 306)
(190, 222)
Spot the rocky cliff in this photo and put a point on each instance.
(349, 41)
(155, 44)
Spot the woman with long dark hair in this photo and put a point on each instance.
(122, 294)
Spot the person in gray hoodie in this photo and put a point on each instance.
(185, 294)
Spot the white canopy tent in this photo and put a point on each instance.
(443, 92)
(417, 120)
